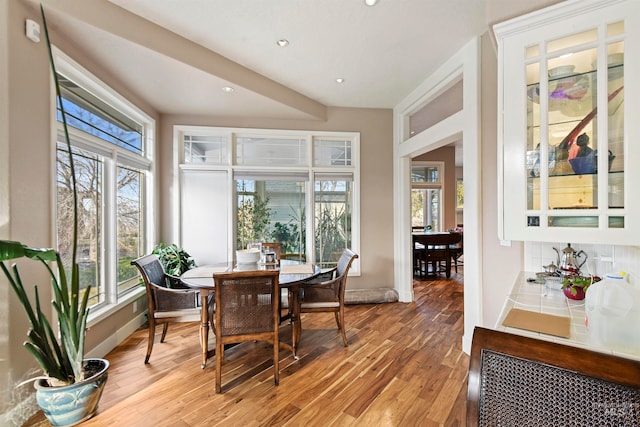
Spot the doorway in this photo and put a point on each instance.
(462, 125)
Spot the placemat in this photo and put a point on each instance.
(558, 326)
(296, 269)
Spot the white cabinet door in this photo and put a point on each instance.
(568, 90)
(204, 215)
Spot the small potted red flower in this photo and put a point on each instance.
(575, 286)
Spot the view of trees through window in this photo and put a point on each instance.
(332, 220)
(274, 211)
(89, 172)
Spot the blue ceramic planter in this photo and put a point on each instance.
(72, 404)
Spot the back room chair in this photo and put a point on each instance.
(247, 309)
(522, 381)
(168, 301)
(326, 293)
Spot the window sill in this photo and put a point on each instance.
(103, 313)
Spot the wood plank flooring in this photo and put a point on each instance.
(404, 367)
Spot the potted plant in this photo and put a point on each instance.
(175, 261)
(70, 387)
(575, 286)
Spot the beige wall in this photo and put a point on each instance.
(26, 214)
(26, 179)
(448, 156)
(376, 183)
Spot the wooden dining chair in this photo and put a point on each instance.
(326, 294)
(457, 252)
(274, 247)
(521, 381)
(247, 309)
(168, 301)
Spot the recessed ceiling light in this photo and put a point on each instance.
(282, 42)
(339, 80)
(227, 89)
(370, 2)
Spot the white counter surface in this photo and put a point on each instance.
(539, 298)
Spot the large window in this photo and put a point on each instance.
(278, 179)
(109, 139)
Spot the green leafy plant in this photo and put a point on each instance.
(173, 258)
(60, 358)
(576, 281)
(253, 220)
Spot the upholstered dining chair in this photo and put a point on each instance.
(247, 309)
(168, 301)
(326, 293)
(521, 381)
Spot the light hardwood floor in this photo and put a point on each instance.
(404, 367)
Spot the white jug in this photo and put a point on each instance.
(612, 308)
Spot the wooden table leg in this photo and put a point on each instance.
(295, 320)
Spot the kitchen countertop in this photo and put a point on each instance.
(536, 297)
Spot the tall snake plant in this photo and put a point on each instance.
(60, 359)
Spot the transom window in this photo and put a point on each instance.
(293, 187)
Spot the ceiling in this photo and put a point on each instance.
(178, 55)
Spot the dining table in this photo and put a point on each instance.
(434, 248)
(292, 275)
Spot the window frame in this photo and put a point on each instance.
(229, 166)
(431, 185)
(113, 157)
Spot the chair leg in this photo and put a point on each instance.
(164, 332)
(152, 333)
(219, 356)
(340, 321)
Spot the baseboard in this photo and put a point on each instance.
(120, 335)
(466, 344)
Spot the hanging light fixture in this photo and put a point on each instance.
(370, 2)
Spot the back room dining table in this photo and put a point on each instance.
(433, 248)
(293, 275)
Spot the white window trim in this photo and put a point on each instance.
(433, 185)
(229, 167)
(113, 155)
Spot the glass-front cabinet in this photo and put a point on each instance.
(569, 122)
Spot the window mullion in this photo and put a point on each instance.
(110, 227)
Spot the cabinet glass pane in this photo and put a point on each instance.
(615, 123)
(532, 51)
(572, 130)
(572, 40)
(533, 135)
(615, 29)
